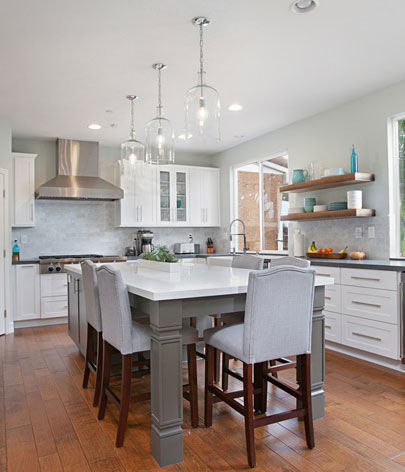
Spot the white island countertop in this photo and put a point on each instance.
(192, 281)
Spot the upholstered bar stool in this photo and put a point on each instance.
(128, 336)
(94, 329)
(277, 324)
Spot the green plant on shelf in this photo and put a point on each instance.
(159, 254)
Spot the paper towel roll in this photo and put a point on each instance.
(299, 244)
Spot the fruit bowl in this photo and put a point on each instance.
(326, 255)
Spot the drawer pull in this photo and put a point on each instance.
(328, 298)
(365, 303)
(65, 285)
(65, 306)
(365, 278)
(367, 336)
(328, 326)
(323, 275)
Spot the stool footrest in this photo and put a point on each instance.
(284, 386)
(285, 415)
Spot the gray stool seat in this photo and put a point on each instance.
(290, 261)
(227, 339)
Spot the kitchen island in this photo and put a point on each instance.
(197, 290)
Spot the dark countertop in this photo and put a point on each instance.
(364, 264)
(26, 261)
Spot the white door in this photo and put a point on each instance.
(195, 200)
(3, 229)
(127, 204)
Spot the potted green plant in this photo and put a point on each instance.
(159, 259)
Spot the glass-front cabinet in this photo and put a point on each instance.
(173, 195)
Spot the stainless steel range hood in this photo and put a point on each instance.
(77, 177)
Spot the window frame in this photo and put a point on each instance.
(234, 191)
(394, 187)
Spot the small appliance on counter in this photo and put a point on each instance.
(144, 241)
(131, 251)
(299, 250)
(186, 248)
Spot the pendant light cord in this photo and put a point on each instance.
(159, 92)
(201, 58)
(132, 132)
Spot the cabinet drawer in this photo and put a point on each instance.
(371, 336)
(333, 326)
(53, 307)
(378, 305)
(53, 285)
(333, 299)
(382, 279)
(325, 271)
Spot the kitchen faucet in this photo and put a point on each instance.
(245, 247)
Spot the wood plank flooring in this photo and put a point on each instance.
(47, 422)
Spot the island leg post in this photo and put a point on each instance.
(166, 382)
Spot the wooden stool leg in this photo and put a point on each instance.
(248, 413)
(217, 360)
(106, 379)
(125, 397)
(209, 380)
(89, 355)
(192, 380)
(225, 376)
(99, 371)
(260, 399)
(306, 399)
(272, 364)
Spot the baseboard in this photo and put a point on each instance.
(42, 322)
(366, 356)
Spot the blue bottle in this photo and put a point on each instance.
(16, 251)
(354, 161)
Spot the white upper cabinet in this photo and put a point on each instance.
(138, 207)
(168, 196)
(204, 197)
(173, 195)
(24, 189)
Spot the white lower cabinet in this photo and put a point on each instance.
(54, 295)
(26, 292)
(333, 326)
(362, 309)
(371, 336)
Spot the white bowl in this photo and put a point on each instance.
(292, 210)
(320, 208)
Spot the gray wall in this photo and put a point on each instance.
(326, 139)
(82, 227)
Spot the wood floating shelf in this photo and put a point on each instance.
(329, 182)
(330, 215)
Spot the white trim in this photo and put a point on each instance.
(233, 206)
(41, 322)
(7, 231)
(393, 179)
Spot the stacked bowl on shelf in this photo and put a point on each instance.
(333, 206)
(355, 199)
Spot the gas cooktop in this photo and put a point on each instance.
(74, 256)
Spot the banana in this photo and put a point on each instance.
(343, 251)
(312, 247)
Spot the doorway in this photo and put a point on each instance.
(4, 230)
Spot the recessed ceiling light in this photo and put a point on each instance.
(94, 126)
(235, 107)
(114, 125)
(183, 136)
(303, 6)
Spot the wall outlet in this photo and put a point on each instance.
(358, 232)
(371, 231)
(190, 238)
(24, 239)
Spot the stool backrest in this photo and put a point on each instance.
(91, 296)
(278, 316)
(246, 261)
(290, 261)
(115, 309)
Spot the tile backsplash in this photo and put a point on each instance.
(340, 233)
(67, 227)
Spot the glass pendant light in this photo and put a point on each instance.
(202, 104)
(132, 150)
(159, 131)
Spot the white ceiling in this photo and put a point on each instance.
(63, 63)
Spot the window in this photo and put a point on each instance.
(397, 185)
(259, 204)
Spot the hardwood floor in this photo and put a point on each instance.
(47, 422)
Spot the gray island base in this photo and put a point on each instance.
(166, 316)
